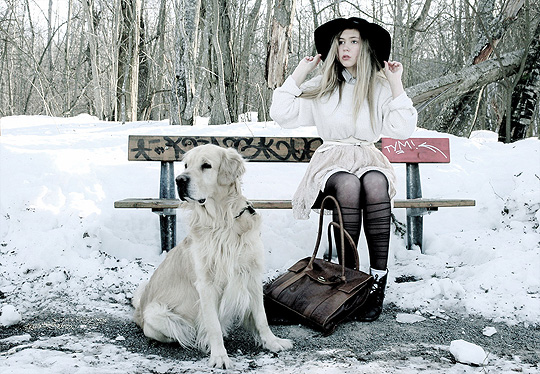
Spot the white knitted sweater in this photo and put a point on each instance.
(334, 119)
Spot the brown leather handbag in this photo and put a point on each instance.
(318, 292)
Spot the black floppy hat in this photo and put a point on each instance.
(378, 38)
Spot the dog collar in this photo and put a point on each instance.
(249, 209)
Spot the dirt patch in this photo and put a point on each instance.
(382, 340)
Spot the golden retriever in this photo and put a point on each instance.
(213, 278)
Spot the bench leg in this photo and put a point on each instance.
(167, 217)
(167, 224)
(415, 225)
(414, 215)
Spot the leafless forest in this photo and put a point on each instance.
(469, 63)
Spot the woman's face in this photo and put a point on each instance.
(348, 49)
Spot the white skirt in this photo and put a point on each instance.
(356, 159)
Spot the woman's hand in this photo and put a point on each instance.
(393, 71)
(306, 66)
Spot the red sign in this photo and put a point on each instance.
(416, 150)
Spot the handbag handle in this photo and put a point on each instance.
(341, 233)
(349, 238)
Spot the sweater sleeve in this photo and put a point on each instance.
(287, 109)
(399, 117)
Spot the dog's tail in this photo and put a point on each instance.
(162, 324)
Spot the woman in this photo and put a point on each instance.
(358, 97)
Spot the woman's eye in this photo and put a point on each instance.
(206, 165)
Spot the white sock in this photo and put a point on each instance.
(378, 274)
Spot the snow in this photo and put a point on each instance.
(489, 331)
(468, 353)
(409, 318)
(9, 315)
(64, 246)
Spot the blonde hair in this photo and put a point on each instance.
(367, 74)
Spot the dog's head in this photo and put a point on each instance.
(210, 171)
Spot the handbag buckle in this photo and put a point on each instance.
(321, 279)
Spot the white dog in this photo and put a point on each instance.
(214, 277)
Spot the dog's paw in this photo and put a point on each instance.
(277, 344)
(220, 362)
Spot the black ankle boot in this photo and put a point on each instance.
(372, 308)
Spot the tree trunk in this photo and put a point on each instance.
(525, 94)
(67, 49)
(408, 48)
(244, 60)
(144, 96)
(92, 44)
(128, 60)
(264, 91)
(159, 52)
(226, 82)
(278, 45)
(464, 82)
(398, 34)
(185, 57)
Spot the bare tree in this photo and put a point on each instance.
(458, 111)
(227, 109)
(128, 60)
(244, 57)
(278, 45)
(187, 13)
(158, 54)
(91, 23)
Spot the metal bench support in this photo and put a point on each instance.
(167, 217)
(415, 222)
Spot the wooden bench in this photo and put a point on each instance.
(168, 149)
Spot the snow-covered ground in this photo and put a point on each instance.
(64, 246)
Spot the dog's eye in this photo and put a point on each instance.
(206, 165)
(185, 166)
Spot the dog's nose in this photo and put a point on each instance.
(182, 183)
(182, 180)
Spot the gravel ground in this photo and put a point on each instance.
(385, 339)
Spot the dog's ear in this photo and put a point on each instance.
(232, 167)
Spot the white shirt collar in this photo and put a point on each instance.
(348, 77)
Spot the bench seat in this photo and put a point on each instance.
(157, 204)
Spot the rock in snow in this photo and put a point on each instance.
(409, 318)
(9, 316)
(488, 331)
(468, 353)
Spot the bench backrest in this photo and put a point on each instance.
(280, 149)
(416, 150)
(266, 149)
